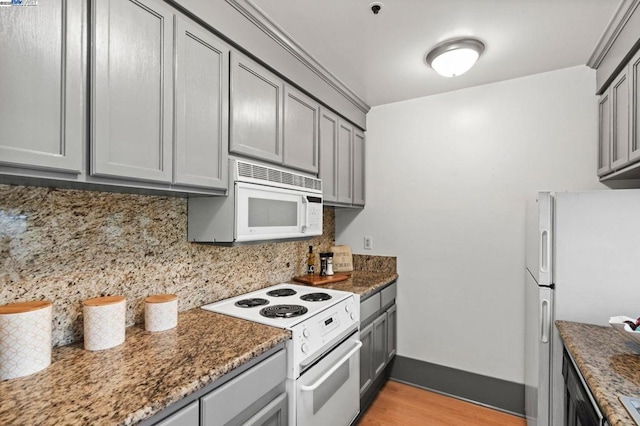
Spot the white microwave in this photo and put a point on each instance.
(264, 204)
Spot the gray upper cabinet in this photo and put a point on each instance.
(358, 168)
(300, 139)
(620, 121)
(345, 162)
(342, 169)
(41, 82)
(604, 134)
(202, 107)
(329, 155)
(634, 98)
(132, 102)
(256, 110)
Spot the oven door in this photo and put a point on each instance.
(328, 393)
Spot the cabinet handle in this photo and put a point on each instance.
(326, 375)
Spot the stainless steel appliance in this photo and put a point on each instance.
(581, 265)
(264, 203)
(323, 366)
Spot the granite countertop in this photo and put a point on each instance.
(133, 381)
(609, 363)
(362, 283)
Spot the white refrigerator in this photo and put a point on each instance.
(582, 264)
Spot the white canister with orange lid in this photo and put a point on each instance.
(160, 312)
(25, 338)
(104, 322)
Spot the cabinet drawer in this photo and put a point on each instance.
(369, 309)
(231, 399)
(187, 416)
(388, 296)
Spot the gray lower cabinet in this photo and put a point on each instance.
(42, 86)
(342, 169)
(254, 396)
(366, 358)
(132, 90)
(202, 107)
(187, 416)
(378, 337)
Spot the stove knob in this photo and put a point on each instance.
(304, 348)
(347, 308)
(353, 316)
(306, 333)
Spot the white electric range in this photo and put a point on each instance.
(323, 366)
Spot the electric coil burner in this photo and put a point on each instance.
(323, 366)
(281, 292)
(283, 311)
(315, 297)
(251, 303)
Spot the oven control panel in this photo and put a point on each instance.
(318, 333)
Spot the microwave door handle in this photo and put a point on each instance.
(305, 205)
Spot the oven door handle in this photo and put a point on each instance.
(332, 370)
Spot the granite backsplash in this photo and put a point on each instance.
(70, 245)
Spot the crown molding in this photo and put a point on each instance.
(261, 20)
(621, 16)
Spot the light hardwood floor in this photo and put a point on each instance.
(398, 404)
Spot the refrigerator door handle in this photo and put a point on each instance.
(545, 320)
(545, 251)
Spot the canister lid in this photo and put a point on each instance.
(161, 298)
(22, 307)
(102, 301)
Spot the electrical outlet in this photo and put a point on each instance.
(368, 243)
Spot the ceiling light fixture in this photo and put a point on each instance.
(454, 57)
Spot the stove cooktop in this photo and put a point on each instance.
(282, 305)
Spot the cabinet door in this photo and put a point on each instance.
(379, 344)
(256, 110)
(358, 168)
(41, 86)
(345, 162)
(202, 107)
(132, 108)
(366, 358)
(187, 416)
(604, 135)
(274, 414)
(634, 99)
(392, 328)
(300, 137)
(329, 155)
(620, 121)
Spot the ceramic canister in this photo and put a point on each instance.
(104, 322)
(25, 338)
(160, 312)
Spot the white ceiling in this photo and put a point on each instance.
(381, 57)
